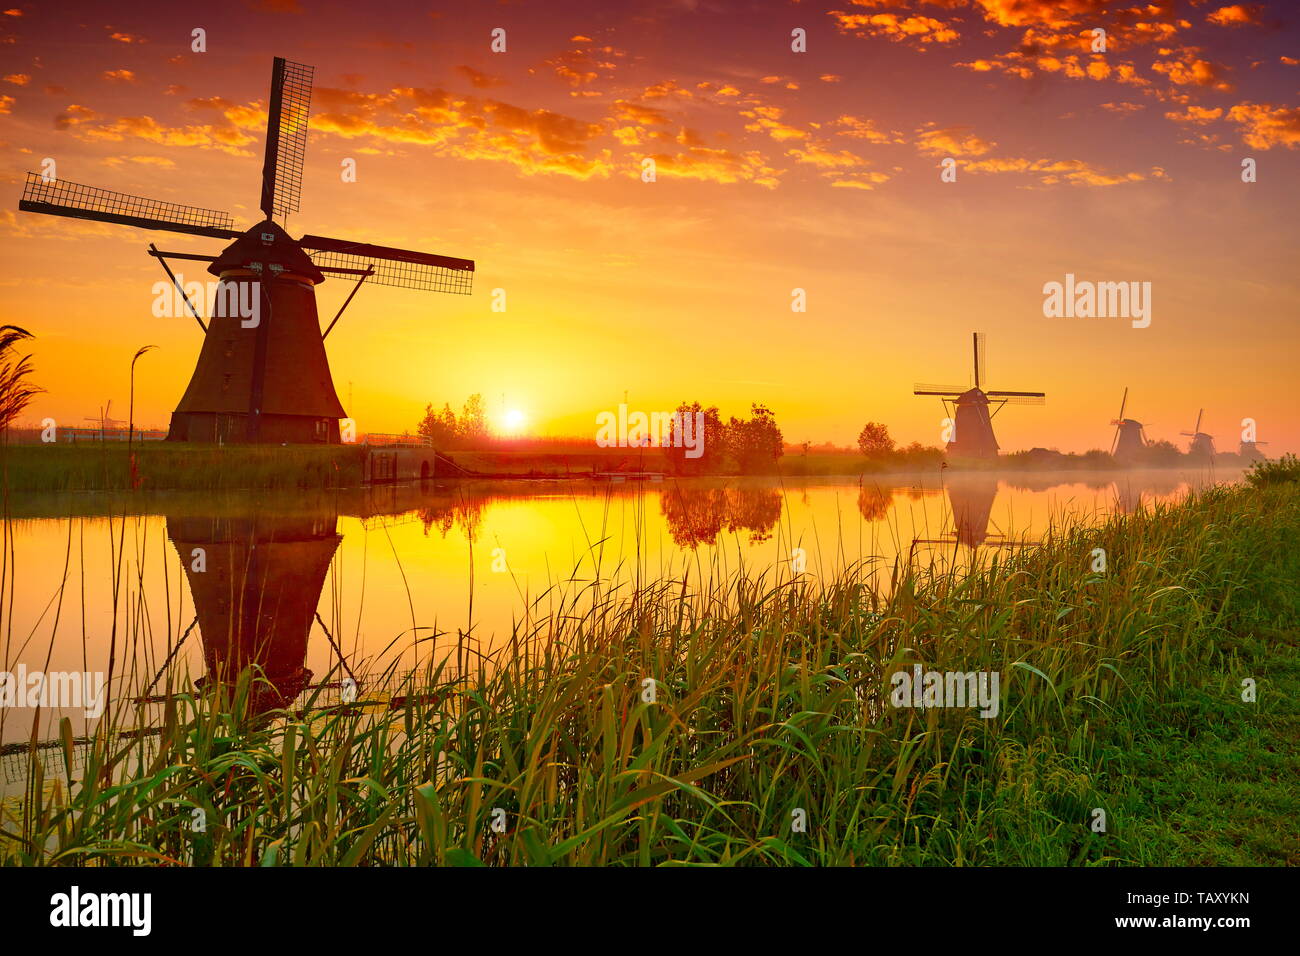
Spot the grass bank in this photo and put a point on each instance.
(179, 466)
(1121, 692)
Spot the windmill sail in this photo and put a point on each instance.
(396, 267)
(286, 137)
(59, 197)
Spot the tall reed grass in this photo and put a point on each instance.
(770, 697)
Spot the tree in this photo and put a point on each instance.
(438, 428)
(707, 438)
(16, 392)
(756, 444)
(1160, 454)
(473, 420)
(874, 441)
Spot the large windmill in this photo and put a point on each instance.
(973, 409)
(1202, 445)
(1129, 438)
(264, 378)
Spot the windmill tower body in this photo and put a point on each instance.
(269, 380)
(1249, 450)
(1201, 447)
(1131, 440)
(973, 427)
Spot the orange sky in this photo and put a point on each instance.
(776, 170)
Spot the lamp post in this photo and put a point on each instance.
(130, 413)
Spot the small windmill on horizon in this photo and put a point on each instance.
(264, 377)
(973, 409)
(1130, 439)
(1249, 450)
(1202, 445)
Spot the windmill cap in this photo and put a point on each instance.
(269, 245)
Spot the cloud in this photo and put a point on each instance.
(865, 181)
(74, 115)
(6, 104)
(919, 30)
(825, 158)
(1050, 172)
(718, 166)
(1187, 68)
(1237, 15)
(1195, 115)
(768, 119)
(160, 161)
(1266, 126)
(857, 128)
(532, 140)
(18, 79)
(478, 80)
(119, 76)
(952, 141)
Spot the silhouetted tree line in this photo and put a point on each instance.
(447, 430)
(747, 446)
(874, 442)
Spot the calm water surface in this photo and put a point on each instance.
(312, 582)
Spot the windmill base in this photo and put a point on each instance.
(233, 428)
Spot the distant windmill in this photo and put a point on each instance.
(103, 418)
(263, 380)
(1202, 445)
(1129, 438)
(973, 433)
(1249, 450)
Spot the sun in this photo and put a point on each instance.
(513, 421)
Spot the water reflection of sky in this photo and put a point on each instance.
(316, 586)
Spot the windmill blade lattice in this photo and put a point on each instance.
(59, 197)
(286, 137)
(403, 268)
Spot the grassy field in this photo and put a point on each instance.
(179, 466)
(1121, 693)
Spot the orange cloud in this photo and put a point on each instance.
(921, 30)
(18, 79)
(820, 156)
(1266, 125)
(1186, 68)
(1236, 15)
(857, 128)
(1195, 115)
(768, 119)
(952, 141)
(119, 76)
(1051, 172)
(717, 165)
